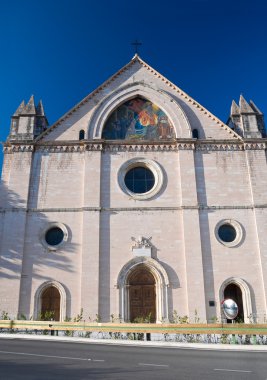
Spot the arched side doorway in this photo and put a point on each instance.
(131, 276)
(233, 292)
(50, 297)
(238, 290)
(50, 303)
(142, 295)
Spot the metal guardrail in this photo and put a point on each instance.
(216, 328)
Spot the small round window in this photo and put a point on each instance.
(229, 232)
(54, 236)
(139, 180)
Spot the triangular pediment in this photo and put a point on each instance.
(139, 72)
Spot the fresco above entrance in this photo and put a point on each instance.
(139, 119)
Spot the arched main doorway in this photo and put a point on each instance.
(50, 303)
(142, 295)
(126, 279)
(234, 292)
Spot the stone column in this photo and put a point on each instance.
(194, 256)
(90, 234)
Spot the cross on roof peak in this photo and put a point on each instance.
(136, 44)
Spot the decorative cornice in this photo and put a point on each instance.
(218, 147)
(136, 146)
(141, 148)
(60, 148)
(255, 146)
(18, 148)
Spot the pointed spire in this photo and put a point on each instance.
(30, 107)
(40, 109)
(234, 109)
(244, 106)
(19, 109)
(254, 107)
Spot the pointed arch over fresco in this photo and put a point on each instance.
(161, 286)
(138, 119)
(155, 109)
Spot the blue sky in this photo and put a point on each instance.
(60, 51)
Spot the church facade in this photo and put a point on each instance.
(138, 204)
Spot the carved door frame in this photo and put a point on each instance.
(38, 300)
(161, 287)
(246, 297)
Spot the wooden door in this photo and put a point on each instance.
(142, 296)
(51, 302)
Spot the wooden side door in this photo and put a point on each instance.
(51, 302)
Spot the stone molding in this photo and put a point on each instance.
(246, 296)
(161, 286)
(255, 146)
(238, 229)
(42, 236)
(134, 209)
(152, 165)
(38, 294)
(136, 146)
(163, 100)
(18, 148)
(218, 147)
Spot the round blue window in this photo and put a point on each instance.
(227, 233)
(139, 180)
(54, 236)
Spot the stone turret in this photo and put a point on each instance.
(246, 119)
(28, 122)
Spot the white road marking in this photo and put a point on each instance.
(44, 356)
(231, 370)
(154, 365)
(98, 360)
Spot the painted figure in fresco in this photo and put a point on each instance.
(165, 130)
(138, 119)
(143, 118)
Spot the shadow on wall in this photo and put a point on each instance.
(14, 218)
(23, 256)
(174, 284)
(205, 233)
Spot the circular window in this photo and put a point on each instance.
(140, 178)
(54, 236)
(229, 232)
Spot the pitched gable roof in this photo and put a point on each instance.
(135, 59)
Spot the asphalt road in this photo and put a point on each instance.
(40, 360)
